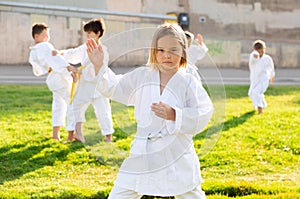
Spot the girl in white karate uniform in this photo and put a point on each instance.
(87, 94)
(170, 106)
(59, 79)
(195, 52)
(262, 74)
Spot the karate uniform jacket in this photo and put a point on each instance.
(196, 52)
(41, 59)
(87, 83)
(162, 159)
(261, 71)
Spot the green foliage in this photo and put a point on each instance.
(256, 156)
(215, 48)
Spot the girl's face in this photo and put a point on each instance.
(92, 35)
(43, 37)
(168, 53)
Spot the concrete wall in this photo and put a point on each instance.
(228, 26)
(272, 20)
(243, 21)
(66, 31)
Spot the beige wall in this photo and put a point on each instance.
(228, 26)
(101, 4)
(278, 22)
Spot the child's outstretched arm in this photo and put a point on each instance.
(95, 53)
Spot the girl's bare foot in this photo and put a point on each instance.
(108, 138)
(56, 133)
(70, 136)
(259, 110)
(79, 137)
(56, 138)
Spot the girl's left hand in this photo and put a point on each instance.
(163, 110)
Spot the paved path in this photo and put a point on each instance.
(20, 74)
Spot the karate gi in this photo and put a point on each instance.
(261, 71)
(59, 81)
(87, 93)
(162, 160)
(195, 52)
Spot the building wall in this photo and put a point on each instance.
(272, 20)
(243, 21)
(66, 30)
(228, 26)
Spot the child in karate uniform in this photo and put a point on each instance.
(170, 106)
(195, 52)
(262, 74)
(87, 94)
(59, 78)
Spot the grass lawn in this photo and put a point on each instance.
(255, 156)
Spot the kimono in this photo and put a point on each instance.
(58, 81)
(192, 69)
(261, 71)
(162, 159)
(195, 52)
(87, 93)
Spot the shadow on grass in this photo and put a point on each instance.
(282, 90)
(231, 123)
(297, 101)
(108, 154)
(17, 160)
(119, 134)
(238, 190)
(235, 92)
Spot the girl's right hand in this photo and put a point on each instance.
(95, 53)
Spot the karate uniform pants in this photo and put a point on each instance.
(257, 95)
(102, 110)
(61, 109)
(60, 84)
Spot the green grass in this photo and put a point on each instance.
(255, 156)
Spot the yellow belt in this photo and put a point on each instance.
(72, 94)
(49, 70)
